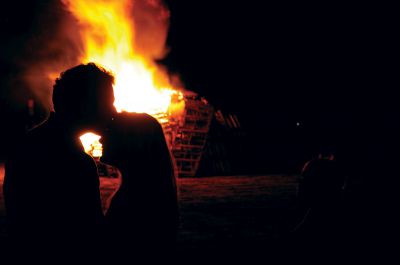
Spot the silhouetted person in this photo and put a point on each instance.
(51, 185)
(321, 181)
(320, 195)
(143, 214)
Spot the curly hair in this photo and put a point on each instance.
(81, 88)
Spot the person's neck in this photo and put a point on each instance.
(71, 130)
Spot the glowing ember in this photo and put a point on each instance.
(91, 144)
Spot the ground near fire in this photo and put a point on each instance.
(218, 212)
(245, 218)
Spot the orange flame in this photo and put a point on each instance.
(112, 39)
(126, 37)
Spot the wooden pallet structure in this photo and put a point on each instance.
(187, 136)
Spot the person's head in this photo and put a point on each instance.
(326, 151)
(83, 96)
(326, 155)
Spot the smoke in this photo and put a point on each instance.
(151, 22)
(54, 44)
(54, 47)
(39, 40)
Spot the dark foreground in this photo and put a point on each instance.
(236, 213)
(226, 219)
(216, 211)
(223, 214)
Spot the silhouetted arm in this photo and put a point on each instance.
(19, 199)
(164, 169)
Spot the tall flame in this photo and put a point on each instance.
(126, 36)
(111, 38)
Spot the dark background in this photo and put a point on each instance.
(299, 76)
(327, 66)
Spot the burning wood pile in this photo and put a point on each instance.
(127, 37)
(188, 137)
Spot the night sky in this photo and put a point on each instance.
(319, 64)
(327, 67)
